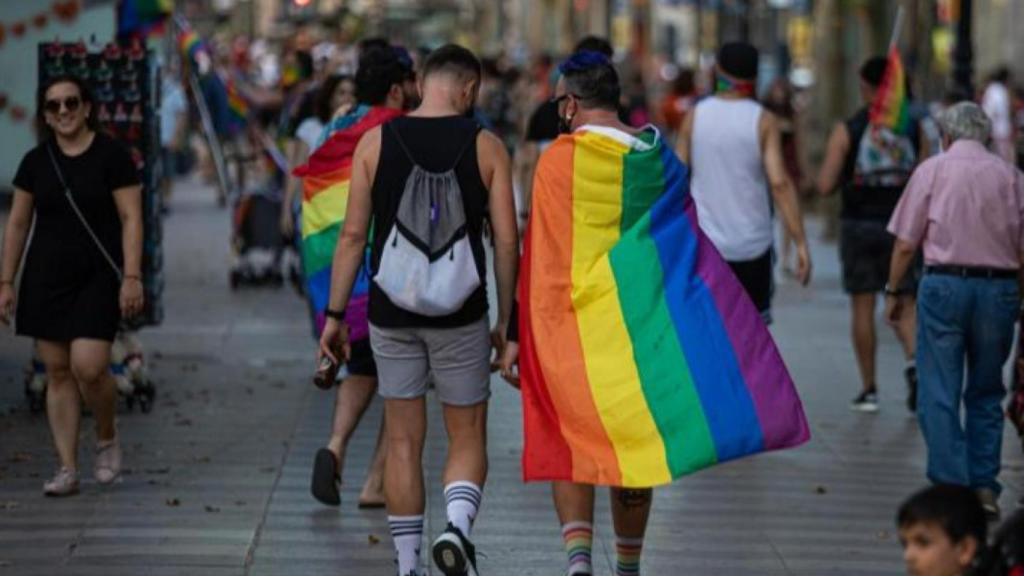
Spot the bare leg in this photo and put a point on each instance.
(631, 507)
(467, 444)
(906, 329)
(372, 494)
(862, 307)
(353, 397)
(573, 502)
(90, 364)
(406, 422)
(63, 401)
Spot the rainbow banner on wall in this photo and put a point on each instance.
(890, 108)
(642, 358)
(325, 182)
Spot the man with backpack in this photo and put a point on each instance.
(871, 165)
(428, 181)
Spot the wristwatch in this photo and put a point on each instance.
(890, 291)
(338, 315)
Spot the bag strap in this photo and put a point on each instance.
(81, 217)
(408, 153)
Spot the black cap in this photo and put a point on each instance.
(739, 60)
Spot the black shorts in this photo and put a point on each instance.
(865, 249)
(361, 363)
(756, 277)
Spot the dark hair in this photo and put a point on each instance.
(594, 44)
(591, 77)
(1001, 75)
(739, 60)
(453, 59)
(91, 121)
(685, 82)
(372, 43)
(956, 509)
(379, 70)
(873, 70)
(325, 95)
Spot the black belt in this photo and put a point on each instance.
(971, 272)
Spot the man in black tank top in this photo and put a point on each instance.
(454, 349)
(871, 169)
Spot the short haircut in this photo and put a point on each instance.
(591, 77)
(43, 130)
(455, 60)
(379, 70)
(955, 509)
(873, 70)
(594, 44)
(965, 121)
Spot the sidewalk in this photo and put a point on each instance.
(219, 481)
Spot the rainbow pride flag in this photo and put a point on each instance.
(642, 358)
(325, 180)
(890, 107)
(238, 107)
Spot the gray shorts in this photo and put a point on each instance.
(458, 359)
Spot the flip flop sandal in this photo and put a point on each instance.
(325, 478)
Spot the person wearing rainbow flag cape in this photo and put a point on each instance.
(641, 359)
(381, 93)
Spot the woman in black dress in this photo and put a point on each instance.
(73, 292)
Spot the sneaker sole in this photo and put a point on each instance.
(865, 409)
(450, 558)
(324, 487)
(74, 491)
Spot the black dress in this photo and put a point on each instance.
(68, 289)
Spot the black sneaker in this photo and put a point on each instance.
(454, 554)
(911, 376)
(866, 401)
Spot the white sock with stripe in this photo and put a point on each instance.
(463, 499)
(407, 532)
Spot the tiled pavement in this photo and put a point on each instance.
(220, 469)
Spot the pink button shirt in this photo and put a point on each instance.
(966, 206)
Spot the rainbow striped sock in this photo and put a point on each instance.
(627, 556)
(579, 538)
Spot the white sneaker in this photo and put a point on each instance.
(454, 554)
(64, 483)
(107, 467)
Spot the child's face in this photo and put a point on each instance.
(929, 551)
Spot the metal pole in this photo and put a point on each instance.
(963, 54)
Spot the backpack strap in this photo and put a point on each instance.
(465, 147)
(401, 143)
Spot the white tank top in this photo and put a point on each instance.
(728, 182)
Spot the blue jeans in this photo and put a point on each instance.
(964, 320)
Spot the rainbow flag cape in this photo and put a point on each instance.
(890, 108)
(238, 107)
(642, 358)
(325, 180)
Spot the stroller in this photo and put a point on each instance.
(257, 243)
(127, 366)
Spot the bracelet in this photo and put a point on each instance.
(889, 291)
(338, 315)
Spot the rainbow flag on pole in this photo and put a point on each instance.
(890, 108)
(325, 181)
(642, 358)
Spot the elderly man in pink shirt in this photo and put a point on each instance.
(965, 207)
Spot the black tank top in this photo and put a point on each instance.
(435, 144)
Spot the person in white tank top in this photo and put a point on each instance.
(733, 147)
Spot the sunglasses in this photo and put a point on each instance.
(71, 103)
